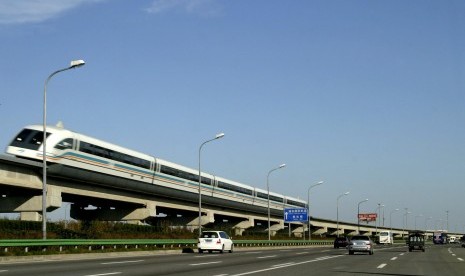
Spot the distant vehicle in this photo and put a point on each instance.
(440, 237)
(462, 241)
(341, 242)
(386, 237)
(416, 241)
(452, 239)
(215, 241)
(360, 243)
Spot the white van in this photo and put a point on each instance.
(386, 237)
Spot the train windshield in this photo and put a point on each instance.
(29, 139)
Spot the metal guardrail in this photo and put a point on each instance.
(103, 244)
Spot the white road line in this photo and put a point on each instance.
(206, 263)
(273, 268)
(123, 262)
(453, 255)
(103, 274)
(381, 265)
(264, 257)
(401, 254)
(283, 265)
(393, 258)
(300, 253)
(3, 271)
(460, 259)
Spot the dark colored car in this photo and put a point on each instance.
(341, 242)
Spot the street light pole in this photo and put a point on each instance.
(218, 136)
(358, 215)
(337, 211)
(418, 216)
(390, 217)
(74, 64)
(268, 188)
(377, 216)
(308, 209)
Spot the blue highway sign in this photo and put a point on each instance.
(295, 215)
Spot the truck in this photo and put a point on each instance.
(440, 237)
(416, 240)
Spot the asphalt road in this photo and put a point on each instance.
(387, 260)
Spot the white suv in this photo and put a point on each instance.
(215, 240)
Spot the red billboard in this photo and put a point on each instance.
(367, 217)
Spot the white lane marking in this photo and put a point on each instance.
(381, 265)
(460, 259)
(273, 268)
(123, 262)
(300, 253)
(401, 254)
(103, 274)
(283, 265)
(393, 258)
(453, 255)
(206, 263)
(264, 257)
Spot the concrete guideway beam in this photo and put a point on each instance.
(31, 203)
(19, 176)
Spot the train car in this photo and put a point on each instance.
(77, 156)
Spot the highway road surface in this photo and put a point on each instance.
(387, 260)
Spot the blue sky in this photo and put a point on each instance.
(367, 96)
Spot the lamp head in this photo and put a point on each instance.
(282, 166)
(77, 63)
(219, 135)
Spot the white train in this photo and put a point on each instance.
(76, 156)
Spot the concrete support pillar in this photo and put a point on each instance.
(132, 215)
(320, 231)
(30, 216)
(276, 227)
(208, 217)
(298, 232)
(241, 226)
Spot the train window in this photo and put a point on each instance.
(234, 188)
(296, 203)
(65, 144)
(262, 195)
(272, 197)
(29, 139)
(114, 155)
(184, 175)
(276, 198)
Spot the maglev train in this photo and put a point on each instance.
(80, 157)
